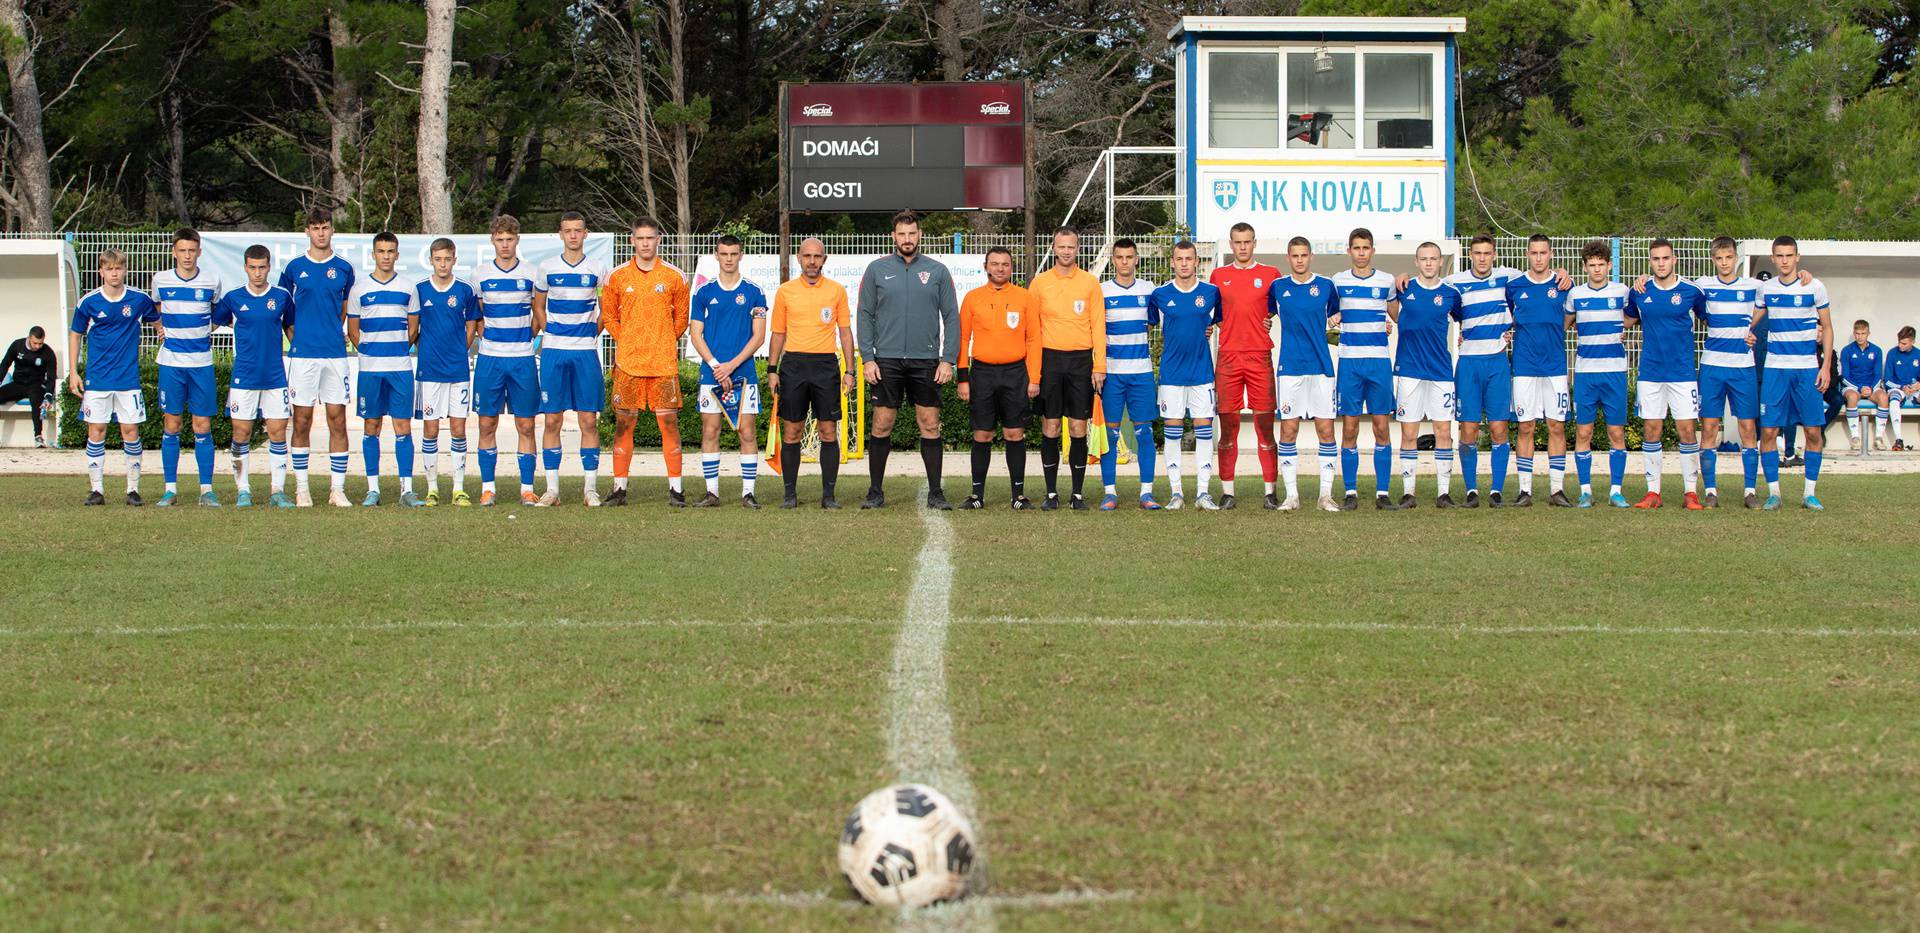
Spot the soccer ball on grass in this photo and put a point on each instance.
(907, 846)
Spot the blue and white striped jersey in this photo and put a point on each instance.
(1363, 314)
(1729, 320)
(1484, 315)
(383, 309)
(1127, 352)
(573, 303)
(1599, 320)
(506, 307)
(186, 311)
(1793, 322)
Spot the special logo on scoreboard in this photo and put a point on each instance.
(998, 108)
(1226, 193)
(817, 110)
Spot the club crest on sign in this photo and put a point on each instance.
(1226, 193)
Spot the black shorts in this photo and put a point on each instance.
(906, 380)
(1066, 384)
(997, 395)
(810, 382)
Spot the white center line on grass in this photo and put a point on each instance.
(1280, 625)
(920, 743)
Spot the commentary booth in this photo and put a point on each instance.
(1311, 126)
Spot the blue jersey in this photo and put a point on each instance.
(1126, 310)
(1539, 325)
(1599, 321)
(1363, 314)
(1426, 317)
(1903, 367)
(573, 303)
(1303, 309)
(726, 317)
(112, 327)
(444, 316)
(258, 323)
(319, 291)
(506, 307)
(1860, 366)
(1666, 330)
(1183, 318)
(186, 312)
(1793, 322)
(1729, 320)
(383, 310)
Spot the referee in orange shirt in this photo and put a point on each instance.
(809, 318)
(1072, 314)
(999, 373)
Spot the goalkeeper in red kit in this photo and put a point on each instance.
(1243, 367)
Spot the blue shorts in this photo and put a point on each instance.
(1721, 386)
(1789, 397)
(188, 389)
(571, 380)
(384, 394)
(506, 383)
(1365, 387)
(1483, 389)
(1600, 393)
(1132, 393)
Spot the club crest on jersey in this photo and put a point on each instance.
(126, 311)
(1676, 299)
(826, 315)
(333, 273)
(1013, 319)
(926, 277)
(1553, 293)
(739, 299)
(1436, 298)
(1257, 283)
(1199, 302)
(271, 302)
(1079, 307)
(1314, 291)
(660, 289)
(1226, 192)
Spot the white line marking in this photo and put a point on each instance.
(1486, 630)
(1068, 897)
(434, 625)
(920, 743)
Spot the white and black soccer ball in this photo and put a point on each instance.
(907, 846)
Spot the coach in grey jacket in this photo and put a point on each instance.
(909, 333)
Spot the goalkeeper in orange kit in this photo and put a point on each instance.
(645, 308)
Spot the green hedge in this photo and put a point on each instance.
(954, 428)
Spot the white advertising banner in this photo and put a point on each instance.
(1323, 204)
(223, 252)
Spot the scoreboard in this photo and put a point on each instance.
(884, 147)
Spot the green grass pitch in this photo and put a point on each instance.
(654, 718)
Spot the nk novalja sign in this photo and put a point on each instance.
(883, 147)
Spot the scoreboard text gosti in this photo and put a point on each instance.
(883, 147)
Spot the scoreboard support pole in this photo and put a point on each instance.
(1031, 259)
(786, 223)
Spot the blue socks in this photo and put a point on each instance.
(170, 457)
(1500, 454)
(1617, 466)
(403, 455)
(1709, 466)
(1143, 449)
(526, 470)
(1813, 464)
(1350, 468)
(1749, 464)
(1583, 465)
(1382, 466)
(370, 455)
(203, 457)
(489, 461)
(549, 458)
(589, 459)
(1770, 465)
(1470, 465)
(1109, 461)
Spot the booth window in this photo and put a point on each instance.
(1399, 100)
(1320, 112)
(1243, 94)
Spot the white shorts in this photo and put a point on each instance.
(248, 404)
(1304, 396)
(1867, 392)
(318, 381)
(1537, 397)
(708, 401)
(98, 407)
(1422, 400)
(433, 401)
(1177, 402)
(1663, 400)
